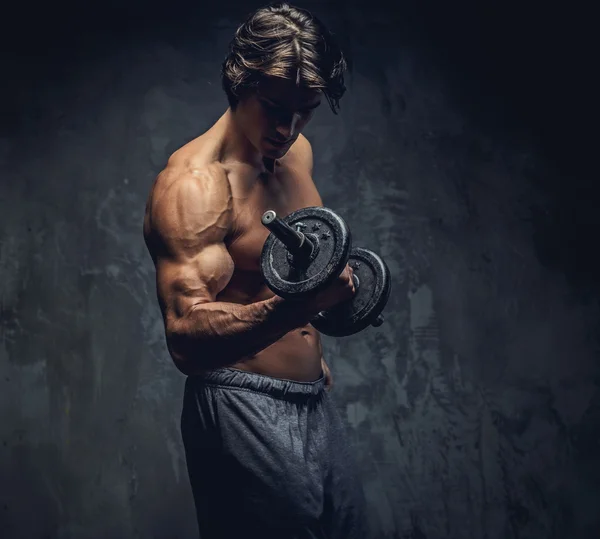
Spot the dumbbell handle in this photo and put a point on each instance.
(296, 242)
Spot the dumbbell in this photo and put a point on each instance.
(307, 250)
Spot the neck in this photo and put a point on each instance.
(269, 164)
(238, 147)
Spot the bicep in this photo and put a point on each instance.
(190, 223)
(197, 279)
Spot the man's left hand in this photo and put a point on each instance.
(327, 373)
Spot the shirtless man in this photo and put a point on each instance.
(266, 450)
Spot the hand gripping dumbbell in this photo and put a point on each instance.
(307, 250)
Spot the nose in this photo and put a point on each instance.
(287, 126)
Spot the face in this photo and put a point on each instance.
(275, 114)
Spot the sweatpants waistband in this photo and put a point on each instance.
(275, 387)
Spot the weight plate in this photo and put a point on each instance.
(290, 279)
(367, 304)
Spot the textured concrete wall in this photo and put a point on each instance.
(474, 407)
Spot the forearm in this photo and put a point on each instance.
(219, 334)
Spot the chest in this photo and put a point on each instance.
(283, 196)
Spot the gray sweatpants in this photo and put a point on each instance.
(269, 458)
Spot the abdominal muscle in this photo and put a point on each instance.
(296, 356)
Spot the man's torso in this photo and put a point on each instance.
(288, 187)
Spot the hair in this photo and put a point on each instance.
(284, 41)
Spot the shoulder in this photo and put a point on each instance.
(301, 153)
(187, 196)
(304, 143)
(304, 147)
(185, 179)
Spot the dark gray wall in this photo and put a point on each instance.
(474, 407)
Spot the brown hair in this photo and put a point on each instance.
(284, 41)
